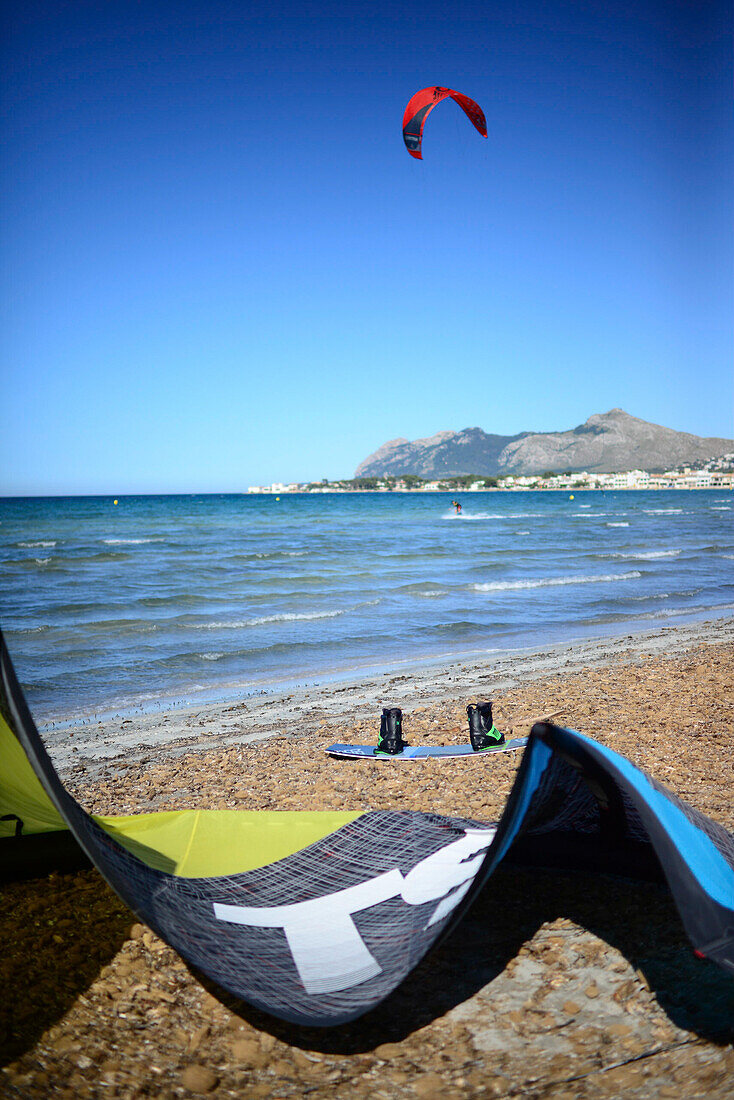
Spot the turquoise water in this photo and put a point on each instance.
(156, 599)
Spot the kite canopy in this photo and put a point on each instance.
(317, 917)
(421, 105)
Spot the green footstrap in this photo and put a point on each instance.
(494, 732)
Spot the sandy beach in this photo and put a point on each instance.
(554, 985)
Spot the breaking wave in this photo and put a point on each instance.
(642, 555)
(129, 542)
(549, 582)
(491, 515)
(283, 617)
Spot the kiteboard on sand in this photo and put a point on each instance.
(421, 752)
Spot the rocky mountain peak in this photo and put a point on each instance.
(606, 442)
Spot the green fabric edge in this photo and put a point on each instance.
(21, 792)
(211, 843)
(188, 843)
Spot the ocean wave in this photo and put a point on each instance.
(671, 612)
(721, 507)
(698, 610)
(662, 511)
(61, 563)
(677, 595)
(296, 616)
(267, 555)
(549, 582)
(492, 515)
(41, 543)
(212, 656)
(714, 548)
(618, 523)
(129, 542)
(282, 617)
(102, 556)
(124, 626)
(422, 588)
(641, 555)
(178, 599)
(458, 627)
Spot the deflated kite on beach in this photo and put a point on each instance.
(317, 917)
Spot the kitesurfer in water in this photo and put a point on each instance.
(457, 507)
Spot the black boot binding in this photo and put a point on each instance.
(483, 733)
(390, 742)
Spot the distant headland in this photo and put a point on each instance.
(610, 450)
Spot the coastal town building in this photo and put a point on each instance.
(716, 474)
(277, 487)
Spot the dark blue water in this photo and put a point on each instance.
(106, 606)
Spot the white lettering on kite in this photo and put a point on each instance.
(327, 948)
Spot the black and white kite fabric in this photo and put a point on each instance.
(316, 918)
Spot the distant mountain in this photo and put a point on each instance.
(607, 442)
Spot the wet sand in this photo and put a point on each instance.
(553, 985)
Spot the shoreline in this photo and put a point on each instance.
(225, 695)
(201, 727)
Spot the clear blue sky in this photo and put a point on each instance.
(221, 267)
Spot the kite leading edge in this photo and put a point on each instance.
(420, 106)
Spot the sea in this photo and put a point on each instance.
(153, 601)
